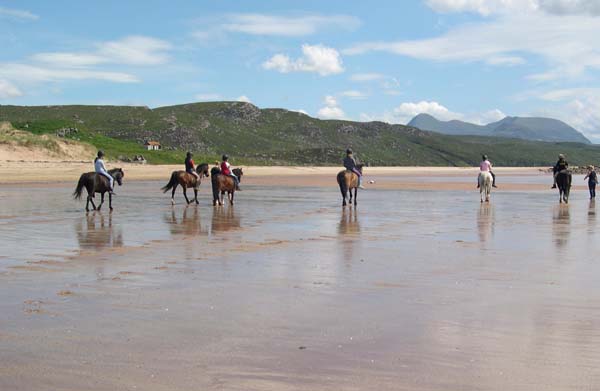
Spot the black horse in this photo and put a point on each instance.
(563, 182)
(97, 183)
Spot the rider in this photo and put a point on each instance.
(350, 164)
(560, 165)
(226, 170)
(101, 169)
(190, 167)
(486, 166)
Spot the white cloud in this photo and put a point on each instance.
(366, 77)
(300, 111)
(131, 50)
(486, 117)
(288, 26)
(35, 74)
(243, 98)
(315, 58)
(17, 14)
(488, 7)
(406, 111)
(567, 43)
(353, 94)
(331, 110)
(8, 90)
(208, 97)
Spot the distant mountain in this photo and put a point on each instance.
(527, 128)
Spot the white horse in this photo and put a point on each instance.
(485, 185)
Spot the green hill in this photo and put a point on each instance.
(276, 136)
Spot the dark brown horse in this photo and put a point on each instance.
(222, 184)
(97, 183)
(185, 179)
(563, 181)
(348, 180)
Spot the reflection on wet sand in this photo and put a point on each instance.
(349, 233)
(591, 213)
(485, 222)
(561, 222)
(189, 224)
(224, 219)
(96, 231)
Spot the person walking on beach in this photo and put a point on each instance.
(560, 165)
(350, 164)
(190, 167)
(226, 170)
(592, 179)
(486, 166)
(100, 168)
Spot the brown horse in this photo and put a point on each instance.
(186, 180)
(348, 180)
(97, 183)
(223, 183)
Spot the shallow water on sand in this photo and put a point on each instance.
(424, 290)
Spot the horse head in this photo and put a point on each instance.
(359, 167)
(238, 172)
(118, 174)
(202, 169)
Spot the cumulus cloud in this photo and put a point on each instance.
(567, 43)
(366, 77)
(406, 111)
(243, 98)
(8, 90)
(331, 110)
(300, 111)
(315, 58)
(17, 14)
(288, 26)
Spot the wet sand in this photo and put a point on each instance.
(412, 290)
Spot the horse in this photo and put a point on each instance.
(223, 183)
(485, 185)
(186, 180)
(97, 183)
(348, 180)
(563, 182)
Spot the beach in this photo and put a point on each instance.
(417, 288)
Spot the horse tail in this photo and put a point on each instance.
(172, 182)
(341, 179)
(79, 188)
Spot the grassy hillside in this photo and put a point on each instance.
(275, 136)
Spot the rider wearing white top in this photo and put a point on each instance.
(101, 169)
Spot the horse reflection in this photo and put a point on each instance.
(97, 232)
(189, 224)
(591, 213)
(485, 222)
(349, 233)
(561, 222)
(224, 219)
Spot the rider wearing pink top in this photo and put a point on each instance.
(486, 166)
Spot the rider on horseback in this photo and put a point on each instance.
(486, 166)
(101, 169)
(226, 170)
(350, 165)
(190, 167)
(560, 165)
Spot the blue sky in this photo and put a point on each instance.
(473, 60)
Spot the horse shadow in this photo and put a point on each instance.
(188, 224)
(96, 231)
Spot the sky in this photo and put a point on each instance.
(473, 60)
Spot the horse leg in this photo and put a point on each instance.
(231, 197)
(110, 201)
(91, 199)
(173, 194)
(355, 194)
(101, 201)
(185, 194)
(196, 195)
(222, 198)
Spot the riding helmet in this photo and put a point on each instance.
(484, 157)
(225, 157)
(561, 156)
(189, 154)
(100, 153)
(348, 151)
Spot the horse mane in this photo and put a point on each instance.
(114, 170)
